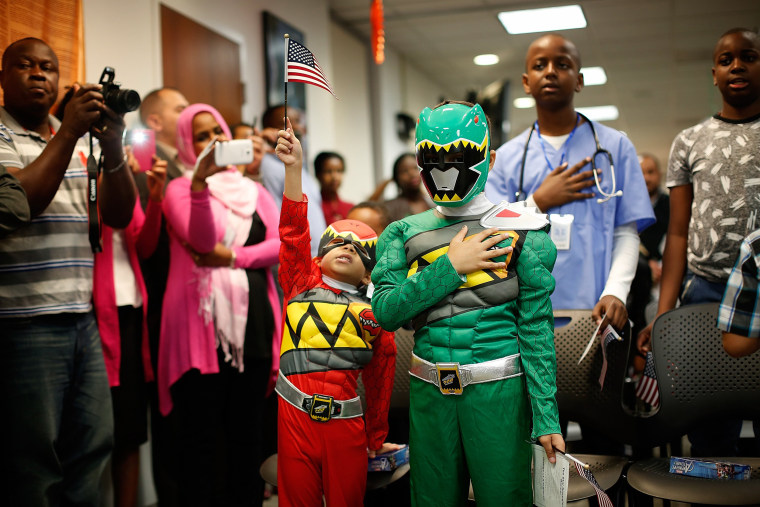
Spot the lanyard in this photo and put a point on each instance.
(93, 171)
(565, 145)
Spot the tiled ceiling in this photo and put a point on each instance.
(657, 53)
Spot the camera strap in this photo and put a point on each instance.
(93, 170)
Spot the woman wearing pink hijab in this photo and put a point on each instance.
(221, 327)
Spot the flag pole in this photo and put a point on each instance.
(573, 458)
(287, 43)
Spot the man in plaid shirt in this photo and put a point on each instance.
(739, 315)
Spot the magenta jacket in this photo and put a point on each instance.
(141, 236)
(199, 220)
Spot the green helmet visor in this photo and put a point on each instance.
(452, 152)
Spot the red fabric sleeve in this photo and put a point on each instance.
(297, 271)
(378, 385)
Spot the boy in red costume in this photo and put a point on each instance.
(330, 335)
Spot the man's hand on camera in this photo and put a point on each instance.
(82, 110)
(109, 129)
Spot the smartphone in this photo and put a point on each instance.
(235, 152)
(143, 143)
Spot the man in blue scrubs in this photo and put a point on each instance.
(597, 242)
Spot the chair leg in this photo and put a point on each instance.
(638, 499)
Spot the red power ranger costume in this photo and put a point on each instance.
(329, 336)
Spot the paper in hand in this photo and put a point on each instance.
(550, 480)
(203, 153)
(591, 341)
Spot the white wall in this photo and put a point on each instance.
(398, 87)
(361, 125)
(352, 127)
(128, 38)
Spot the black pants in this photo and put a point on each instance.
(219, 442)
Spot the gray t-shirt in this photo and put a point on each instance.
(720, 159)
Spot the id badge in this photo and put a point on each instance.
(562, 226)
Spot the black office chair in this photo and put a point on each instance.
(697, 379)
(581, 399)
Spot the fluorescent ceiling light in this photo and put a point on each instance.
(524, 102)
(599, 113)
(487, 59)
(543, 20)
(593, 76)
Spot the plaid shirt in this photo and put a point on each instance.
(739, 311)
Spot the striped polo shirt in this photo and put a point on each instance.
(46, 267)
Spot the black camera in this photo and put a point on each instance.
(120, 101)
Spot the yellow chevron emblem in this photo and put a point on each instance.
(322, 326)
(475, 278)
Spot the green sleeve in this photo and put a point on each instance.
(398, 298)
(536, 329)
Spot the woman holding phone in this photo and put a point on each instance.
(220, 333)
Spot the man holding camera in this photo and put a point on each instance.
(57, 424)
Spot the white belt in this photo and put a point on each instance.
(451, 378)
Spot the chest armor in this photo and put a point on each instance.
(485, 288)
(327, 331)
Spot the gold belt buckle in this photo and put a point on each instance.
(321, 408)
(449, 378)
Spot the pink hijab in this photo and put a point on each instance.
(186, 152)
(224, 294)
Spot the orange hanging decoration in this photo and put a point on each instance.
(378, 31)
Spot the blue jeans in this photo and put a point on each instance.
(55, 407)
(720, 436)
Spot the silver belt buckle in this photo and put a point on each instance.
(449, 378)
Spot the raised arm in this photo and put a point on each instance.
(42, 177)
(117, 190)
(151, 228)
(296, 268)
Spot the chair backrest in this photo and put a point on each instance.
(579, 395)
(404, 345)
(400, 394)
(695, 376)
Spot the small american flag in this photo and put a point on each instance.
(609, 336)
(647, 389)
(301, 66)
(604, 500)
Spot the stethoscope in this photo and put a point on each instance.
(520, 194)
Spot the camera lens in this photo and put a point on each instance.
(123, 101)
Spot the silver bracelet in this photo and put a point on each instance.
(117, 168)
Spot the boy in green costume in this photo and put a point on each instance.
(474, 279)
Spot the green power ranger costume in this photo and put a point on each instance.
(484, 343)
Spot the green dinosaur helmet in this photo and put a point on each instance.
(452, 145)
